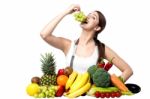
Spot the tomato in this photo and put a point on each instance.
(113, 94)
(118, 94)
(97, 94)
(107, 95)
(103, 95)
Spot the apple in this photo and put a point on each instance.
(61, 72)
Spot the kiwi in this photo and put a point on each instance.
(35, 80)
(68, 71)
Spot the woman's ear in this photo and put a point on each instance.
(98, 28)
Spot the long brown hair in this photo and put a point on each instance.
(101, 46)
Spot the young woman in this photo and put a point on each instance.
(86, 51)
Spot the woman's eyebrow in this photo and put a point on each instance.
(94, 15)
(89, 13)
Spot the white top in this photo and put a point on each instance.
(81, 64)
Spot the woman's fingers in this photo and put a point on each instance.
(76, 7)
(73, 8)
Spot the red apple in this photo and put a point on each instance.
(61, 72)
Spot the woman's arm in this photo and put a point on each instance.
(119, 63)
(46, 33)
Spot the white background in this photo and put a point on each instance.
(127, 33)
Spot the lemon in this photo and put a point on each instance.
(32, 89)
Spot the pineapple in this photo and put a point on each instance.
(48, 68)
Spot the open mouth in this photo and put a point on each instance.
(85, 22)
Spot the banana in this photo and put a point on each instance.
(80, 91)
(71, 79)
(80, 83)
(89, 79)
(78, 78)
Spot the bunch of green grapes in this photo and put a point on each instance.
(46, 92)
(80, 16)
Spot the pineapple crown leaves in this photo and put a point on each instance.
(48, 64)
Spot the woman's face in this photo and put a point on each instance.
(92, 21)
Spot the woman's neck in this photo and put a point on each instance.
(86, 38)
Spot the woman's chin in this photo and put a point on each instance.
(82, 25)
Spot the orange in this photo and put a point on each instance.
(62, 80)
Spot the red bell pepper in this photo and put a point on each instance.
(108, 65)
(101, 64)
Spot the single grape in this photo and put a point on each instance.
(43, 88)
(50, 94)
(53, 93)
(36, 96)
(47, 93)
(50, 91)
(52, 87)
(75, 15)
(42, 95)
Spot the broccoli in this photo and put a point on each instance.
(92, 70)
(101, 78)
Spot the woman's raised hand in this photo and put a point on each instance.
(72, 8)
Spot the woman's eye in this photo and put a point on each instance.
(93, 17)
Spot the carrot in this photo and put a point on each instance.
(118, 83)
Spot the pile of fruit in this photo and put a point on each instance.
(66, 82)
(50, 84)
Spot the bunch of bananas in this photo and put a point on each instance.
(77, 84)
